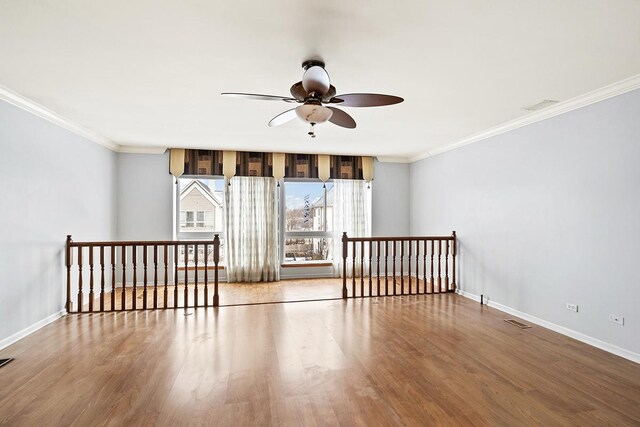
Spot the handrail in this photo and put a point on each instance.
(425, 253)
(75, 244)
(397, 239)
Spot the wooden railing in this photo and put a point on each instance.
(113, 276)
(375, 266)
(112, 271)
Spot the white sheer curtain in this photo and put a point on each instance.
(351, 214)
(251, 225)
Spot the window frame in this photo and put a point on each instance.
(284, 234)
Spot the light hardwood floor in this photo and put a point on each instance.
(413, 360)
(290, 290)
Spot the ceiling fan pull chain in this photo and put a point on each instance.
(312, 131)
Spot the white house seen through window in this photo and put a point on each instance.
(200, 215)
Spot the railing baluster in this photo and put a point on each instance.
(144, 283)
(166, 275)
(394, 267)
(361, 268)
(91, 294)
(401, 267)
(195, 277)
(206, 274)
(216, 260)
(378, 269)
(433, 287)
(418, 267)
(409, 265)
(386, 268)
(353, 269)
(370, 258)
(113, 277)
(101, 278)
(424, 266)
(453, 261)
(134, 292)
(175, 275)
(345, 250)
(186, 276)
(446, 266)
(123, 256)
(155, 276)
(80, 279)
(439, 265)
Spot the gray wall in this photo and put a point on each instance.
(547, 214)
(145, 197)
(390, 200)
(53, 183)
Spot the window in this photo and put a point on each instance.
(306, 219)
(307, 215)
(200, 216)
(189, 222)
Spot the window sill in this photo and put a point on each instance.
(306, 264)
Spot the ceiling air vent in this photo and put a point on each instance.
(540, 105)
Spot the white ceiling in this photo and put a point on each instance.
(150, 73)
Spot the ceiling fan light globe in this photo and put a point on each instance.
(312, 113)
(316, 79)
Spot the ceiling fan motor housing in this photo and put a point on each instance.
(312, 63)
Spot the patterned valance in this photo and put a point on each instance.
(250, 163)
(202, 162)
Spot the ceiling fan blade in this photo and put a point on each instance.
(283, 118)
(342, 119)
(298, 92)
(366, 100)
(316, 79)
(259, 97)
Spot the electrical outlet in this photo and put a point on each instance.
(619, 320)
(572, 307)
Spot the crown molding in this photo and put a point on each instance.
(34, 108)
(133, 149)
(392, 159)
(615, 89)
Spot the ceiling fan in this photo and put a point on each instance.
(314, 92)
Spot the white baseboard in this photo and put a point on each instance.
(614, 349)
(31, 329)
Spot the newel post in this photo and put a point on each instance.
(69, 304)
(455, 250)
(344, 265)
(216, 260)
